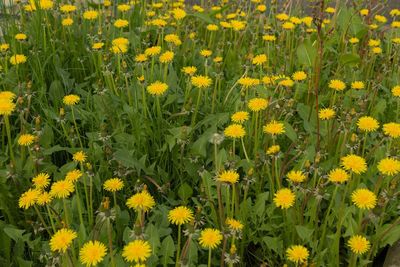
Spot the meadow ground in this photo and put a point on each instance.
(222, 133)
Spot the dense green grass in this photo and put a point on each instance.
(178, 145)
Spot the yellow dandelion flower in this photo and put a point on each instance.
(123, 7)
(259, 59)
(157, 88)
(374, 42)
(269, 38)
(212, 27)
(167, 57)
(4, 47)
(71, 100)
(7, 95)
(210, 238)
(395, 24)
(394, 12)
(367, 124)
(6, 106)
(286, 82)
(235, 131)
(62, 240)
(141, 58)
(274, 128)
(67, 22)
(296, 176)
(354, 163)
(257, 104)
(119, 49)
(79, 156)
(240, 116)
(337, 85)
(237, 25)
(261, 8)
(201, 81)
(17, 59)
(178, 13)
(142, 201)
(282, 17)
(90, 14)
(247, 82)
(26, 139)
(137, 250)
(330, 10)
(297, 254)
(326, 113)
(92, 253)
(67, 8)
(299, 76)
(234, 225)
(364, 12)
(41, 181)
(189, 70)
(377, 50)
(288, 25)
(358, 85)
(307, 21)
(121, 23)
(113, 185)
(97, 46)
(389, 166)
(354, 40)
(359, 244)
(205, 52)
(274, 149)
(391, 129)
(20, 36)
(28, 198)
(218, 59)
(73, 176)
(152, 51)
(46, 4)
(338, 175)
(380, 18)
(180, 215)
(62, 189)
(158, 23)
(44, 198)
(396, 91)
(229, 177)
(284, 198)
(364, 198)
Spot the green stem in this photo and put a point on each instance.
(42, 219)
(76, 127)
(78, 200)
(209, 257)
(6, 120)
(66, 212)
(110, 245)
(178, 248)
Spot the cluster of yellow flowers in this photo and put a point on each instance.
(183, 55)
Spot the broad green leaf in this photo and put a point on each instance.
(167, 251)
(304, 232)
(290, 132)
(259, 205)
(390, 235)
(306, 53)
(349, 59)
(204, 17)
(185, 191)
(14, 233)
(273, 243)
